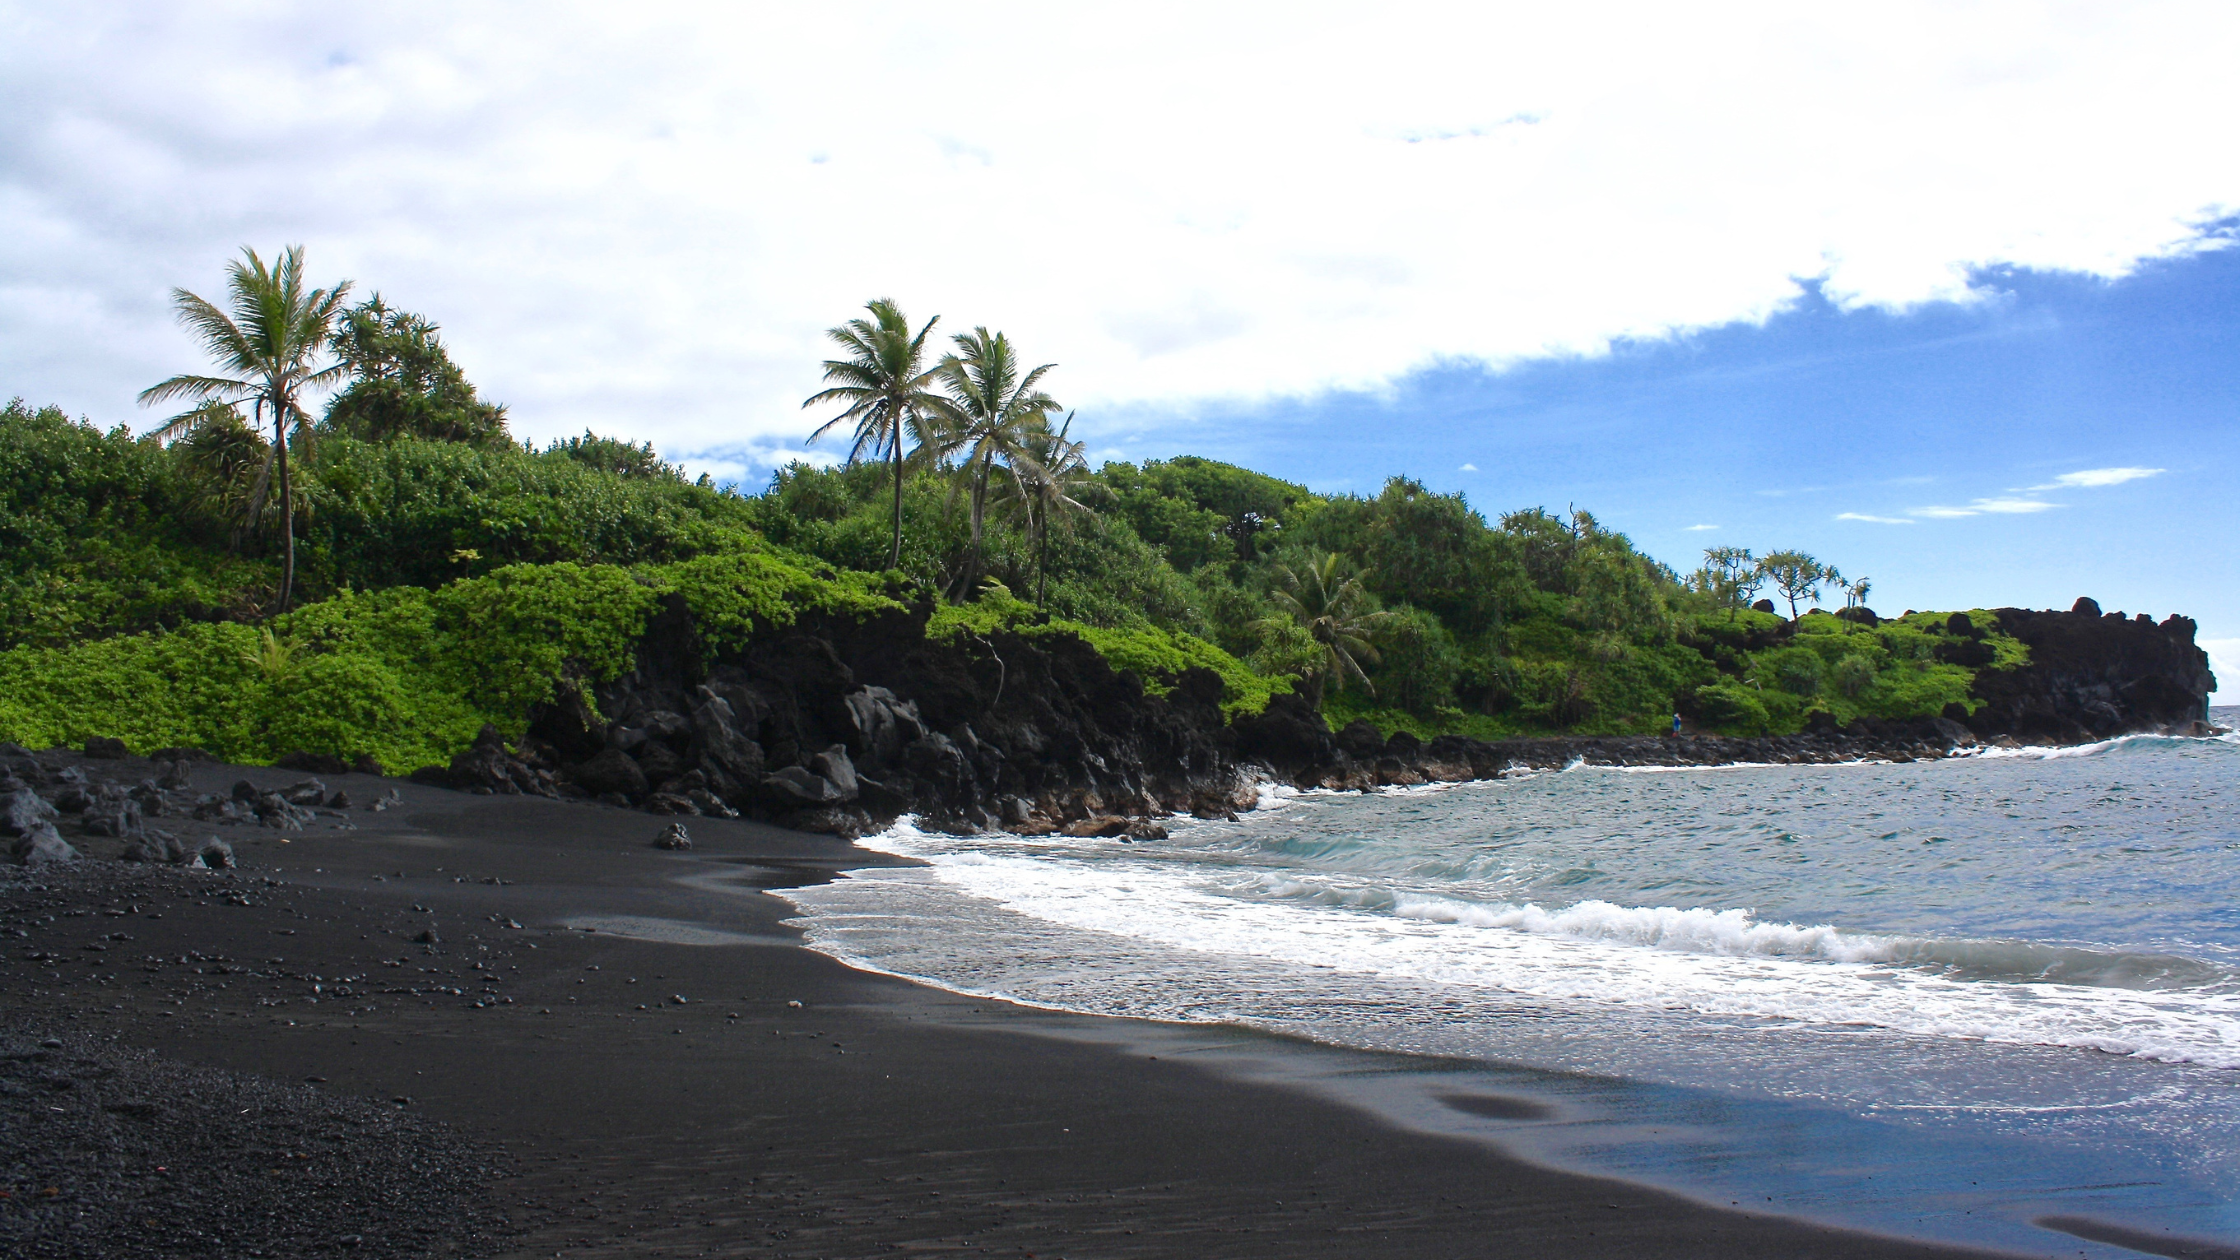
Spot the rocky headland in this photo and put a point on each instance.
(839, 725)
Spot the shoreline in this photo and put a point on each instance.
(877, 1114)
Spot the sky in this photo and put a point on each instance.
(1941, 293)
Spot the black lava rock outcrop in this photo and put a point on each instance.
(2093, 675)
(836, 725)
(50, 800)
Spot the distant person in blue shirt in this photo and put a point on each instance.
(1676, 723)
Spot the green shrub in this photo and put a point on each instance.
(1732, 709)
(1418, 662)
(1796, 670)
(408, 675)
(346, 705)
(1853, 674)
(1153, 654)
(103, 531)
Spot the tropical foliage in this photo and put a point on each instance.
(455, 577)
(888, 393)
(270, 342)
(404, 384)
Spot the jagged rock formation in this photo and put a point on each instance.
(836, 726)
(2093, 675)
(833, 725)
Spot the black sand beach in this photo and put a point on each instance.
(684, 1080)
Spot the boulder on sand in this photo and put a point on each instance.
(274, 810)
(23, 810)
(42, 846)
(111, 817)
(159, 848)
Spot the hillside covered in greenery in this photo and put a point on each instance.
(446, 575)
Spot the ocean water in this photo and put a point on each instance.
(1946, 999)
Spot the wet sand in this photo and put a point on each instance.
(787, 1105)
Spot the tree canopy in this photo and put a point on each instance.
(404, 384)
(1408, 606)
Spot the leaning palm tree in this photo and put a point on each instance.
(1049, 478)
(1333, 608)
(888, 391)
(270, 343)
(994, 410)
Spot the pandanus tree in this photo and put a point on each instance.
(888, 390)
(1796, 576)
(993, 411)
(1332, 606)
(1730, 575)
(1049, 479)
(231, 464)
(270, 343)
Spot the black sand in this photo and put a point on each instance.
(875, 1117)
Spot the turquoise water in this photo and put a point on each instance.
(2018, 970)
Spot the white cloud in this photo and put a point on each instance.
(1881, 520)
(2092, 477)
(1699, 528)
(2224, 662)
(2003, 507)
(1468, 468)
(749, 466)
(639, 218)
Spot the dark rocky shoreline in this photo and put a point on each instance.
(839, 726)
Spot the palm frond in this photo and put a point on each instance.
(194, 387)
(221, 338)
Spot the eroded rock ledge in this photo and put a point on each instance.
(839, 726)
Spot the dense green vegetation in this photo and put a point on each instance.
(449, 576)
(406, 674)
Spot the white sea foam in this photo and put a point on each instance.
(1377, 895)
(1695, 930)
(1715, 962)
(2055, 752)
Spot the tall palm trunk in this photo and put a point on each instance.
(1042, 563)
(978, 564)
(894, 552)
(287, 508)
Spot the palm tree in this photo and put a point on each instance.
(1333, 608)
(995, 408)
(887, 389)
(270, 342)
(1049, 477)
